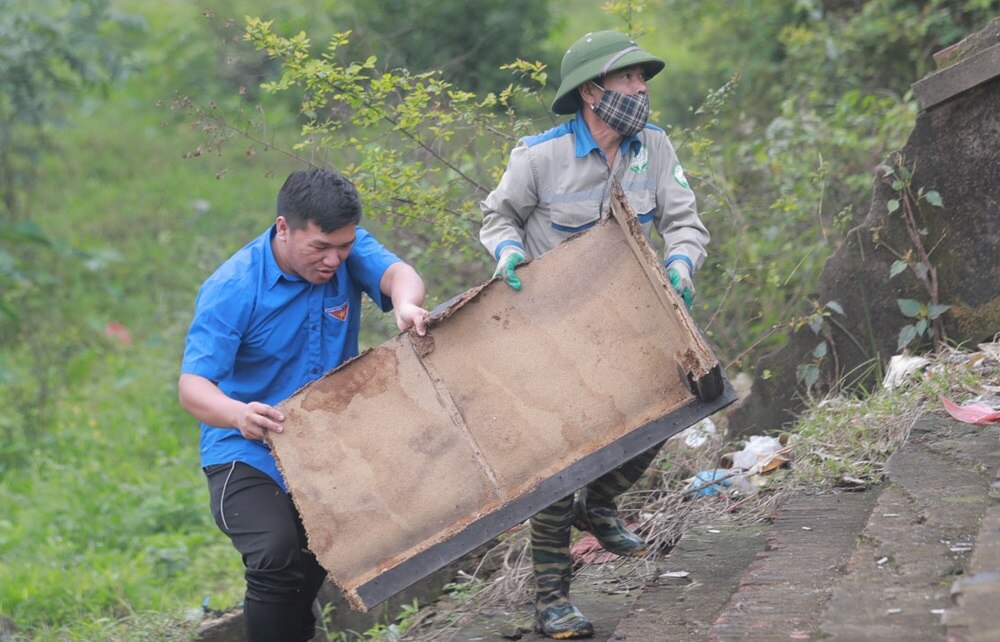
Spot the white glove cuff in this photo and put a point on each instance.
(508, 250)
(681, 266)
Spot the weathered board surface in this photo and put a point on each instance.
(423, 448)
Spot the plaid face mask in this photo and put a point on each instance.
(625, 113)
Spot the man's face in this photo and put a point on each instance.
(311, 253)
(629, 81)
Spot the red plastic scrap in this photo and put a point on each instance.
(975, 413)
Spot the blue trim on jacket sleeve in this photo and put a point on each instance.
(566, 228)
(507, 243)
(646, 218)
(679, 257)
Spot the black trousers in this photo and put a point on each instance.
(283, 576)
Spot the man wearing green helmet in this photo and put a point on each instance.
(558, 183)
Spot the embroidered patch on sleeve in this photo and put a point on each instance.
(679, 176)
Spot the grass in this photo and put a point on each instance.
(105, 531)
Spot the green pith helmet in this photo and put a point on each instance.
(594, 55)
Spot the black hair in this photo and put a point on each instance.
(321, 196)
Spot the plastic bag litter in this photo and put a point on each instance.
(901, 368)
(746, 468)
(699, 434)
(702, 481)
(761, 454)
(724, 480)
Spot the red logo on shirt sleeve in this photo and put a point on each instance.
(339, 313)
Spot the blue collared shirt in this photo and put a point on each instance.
(262, 334)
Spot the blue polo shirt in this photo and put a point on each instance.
(262, 334)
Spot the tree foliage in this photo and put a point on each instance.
(421, 151)
(471, 42)
(52, 54)
(823, 96)
(51, 51)
(780, 146)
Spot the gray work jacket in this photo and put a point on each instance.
(558, 183)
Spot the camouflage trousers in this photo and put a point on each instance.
(551, 528)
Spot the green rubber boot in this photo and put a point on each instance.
(555, 617)
(603, 522)
(562, 621)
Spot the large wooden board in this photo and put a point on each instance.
(419, 450)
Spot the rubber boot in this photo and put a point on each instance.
(596, 512)
(555, 617)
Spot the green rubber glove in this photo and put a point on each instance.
(509, 259)
(680, 279)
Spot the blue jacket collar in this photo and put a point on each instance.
(585, 142)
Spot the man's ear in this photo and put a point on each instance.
(281, 225)
(588, 93)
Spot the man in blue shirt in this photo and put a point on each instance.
(281, 312)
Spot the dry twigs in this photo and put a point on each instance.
(834, 447)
